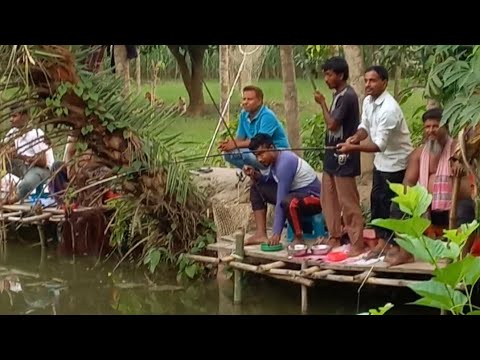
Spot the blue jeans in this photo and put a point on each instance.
(30, 178)
(243, 157)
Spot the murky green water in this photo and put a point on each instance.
(32, 283)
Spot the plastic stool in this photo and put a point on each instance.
(313, 228)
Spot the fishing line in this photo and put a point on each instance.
(252, 151)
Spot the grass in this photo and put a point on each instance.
(196, 133)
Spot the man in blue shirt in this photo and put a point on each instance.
(255, 118)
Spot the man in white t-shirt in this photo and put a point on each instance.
(31, 158)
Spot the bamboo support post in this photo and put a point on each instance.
(270, 266)
(304, 293)
(239, 251)
(41, 235)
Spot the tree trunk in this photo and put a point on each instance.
(398, 79)
(354, 58)
(291, 97)
(138, 72)
(122, 66)
(192, 79)
(224, 80)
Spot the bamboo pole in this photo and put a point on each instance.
(296, 280)
(287, 272)
(239, 251)
(5, 216)
(30, 219)
(310, 270)
(227, 259)
(270, 266)
(304, 293)
(363, 275)
(41, 235)
(391, 282)
(201, 258)
(252, 268)
(453, 211)
(340, 278)
(322, 274)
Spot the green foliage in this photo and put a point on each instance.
(450, 288)
(381, 310)
(187, 268)
(453, 81)
(313, 136)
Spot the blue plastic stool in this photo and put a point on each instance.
(313, 228)
(39, 193)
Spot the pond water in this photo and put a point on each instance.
(33, 281)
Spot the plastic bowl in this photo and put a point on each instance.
(297, 250)
(271, 248)
(320, 249)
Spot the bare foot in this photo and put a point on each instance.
(256, 239)
(356, 250)
(398, 257)
(334, 242)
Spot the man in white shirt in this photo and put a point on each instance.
(383, 120)
(31, 158)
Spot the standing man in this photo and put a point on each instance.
(340, 193)
(383, 120)
(255, 118)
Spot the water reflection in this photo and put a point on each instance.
(35, 281)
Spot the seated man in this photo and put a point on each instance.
(255, 118)
(292, 186)
(431, 165)
(31, 158)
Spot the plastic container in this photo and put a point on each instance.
(313, 228)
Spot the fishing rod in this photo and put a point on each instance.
(253, 151)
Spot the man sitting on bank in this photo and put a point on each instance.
(432, 166)
(291, 185)
(31, 158)
(255, 118)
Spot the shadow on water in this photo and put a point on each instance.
(33, 281)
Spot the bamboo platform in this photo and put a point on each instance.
(27, 214)
(308, 270)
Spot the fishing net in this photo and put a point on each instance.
(253, 63)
